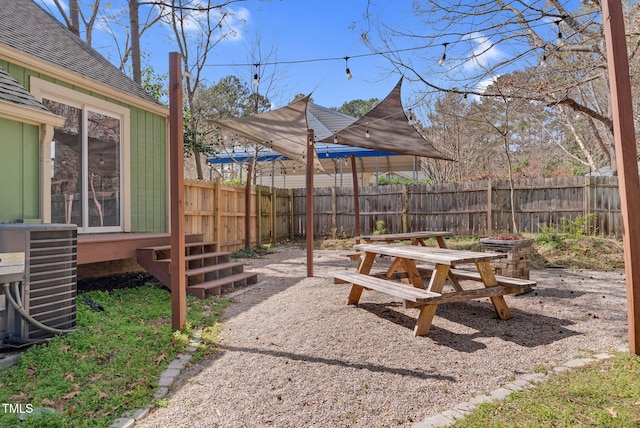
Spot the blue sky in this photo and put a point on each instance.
(310, 38)
(295, 30)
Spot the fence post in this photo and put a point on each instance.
(587, 204)
(273, 216)
(405, 208)
(489, 208)
(291, 219)
(258, 215)
(334, 214)
(217, 218)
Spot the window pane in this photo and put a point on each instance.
(66, 165)
(104, 170)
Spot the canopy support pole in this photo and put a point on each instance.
(247, 206)
(310, 204)
(356, 197)
(626, 158)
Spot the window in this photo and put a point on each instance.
(86, 168)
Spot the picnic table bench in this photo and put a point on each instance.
(440, 262)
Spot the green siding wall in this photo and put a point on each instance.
(149, 173)
(19, 176)
(148, 152)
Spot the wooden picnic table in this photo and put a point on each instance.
(416, 238)
(407, 260)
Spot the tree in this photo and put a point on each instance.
(358, 108)
(559, 45)
(197, 31)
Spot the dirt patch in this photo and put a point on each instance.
(115, 282)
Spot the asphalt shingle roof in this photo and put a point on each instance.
(11, 91)
(27, 27)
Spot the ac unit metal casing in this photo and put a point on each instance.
(47, 286)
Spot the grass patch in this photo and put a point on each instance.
(603, 394)
(111, 365)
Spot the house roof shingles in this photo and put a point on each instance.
(12, 92)
(27, 27)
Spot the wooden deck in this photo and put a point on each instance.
(103, 247)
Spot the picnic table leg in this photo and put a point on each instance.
(418, 241)
(427, 312)
(441, 242)
(489, 280)
(394, 266)
(413, 274)
(363, 268)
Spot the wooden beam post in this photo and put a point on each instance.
(176, 170)
(310, 204)
(626, 159)
(356, 197)
(247, 207)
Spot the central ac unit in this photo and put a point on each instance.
(38, 281)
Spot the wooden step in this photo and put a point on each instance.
(222, 285)
(201, 256)
(186, 245)
(214, 268)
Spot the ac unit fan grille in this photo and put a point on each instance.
(52, 276)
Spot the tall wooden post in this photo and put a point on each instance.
(176, 170)
(356, 197)
(310, 204)
(247, 209)
(626, 158)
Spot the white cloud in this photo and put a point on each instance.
(51, 5)
(484, 52)
(484, 84)
(231, 22)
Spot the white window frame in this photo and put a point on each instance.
(43, 89)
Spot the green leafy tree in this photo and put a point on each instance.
(358, 108)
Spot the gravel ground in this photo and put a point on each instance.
(293, 354)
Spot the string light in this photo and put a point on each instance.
(560, 39)
(410, 117)
(444, 54)
(347, 71)
(383, 53)
(335, 138)
(256, 78)
(366, 132)
(543, 61)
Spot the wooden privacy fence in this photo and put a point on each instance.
(479, 208)
(218, 211)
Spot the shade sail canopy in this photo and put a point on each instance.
(388, 129)
(283, 130)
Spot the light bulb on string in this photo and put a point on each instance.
(410, 117)
(347, 71)
(560, 40)
(366, 132)
(256, 78)
(444, 54)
